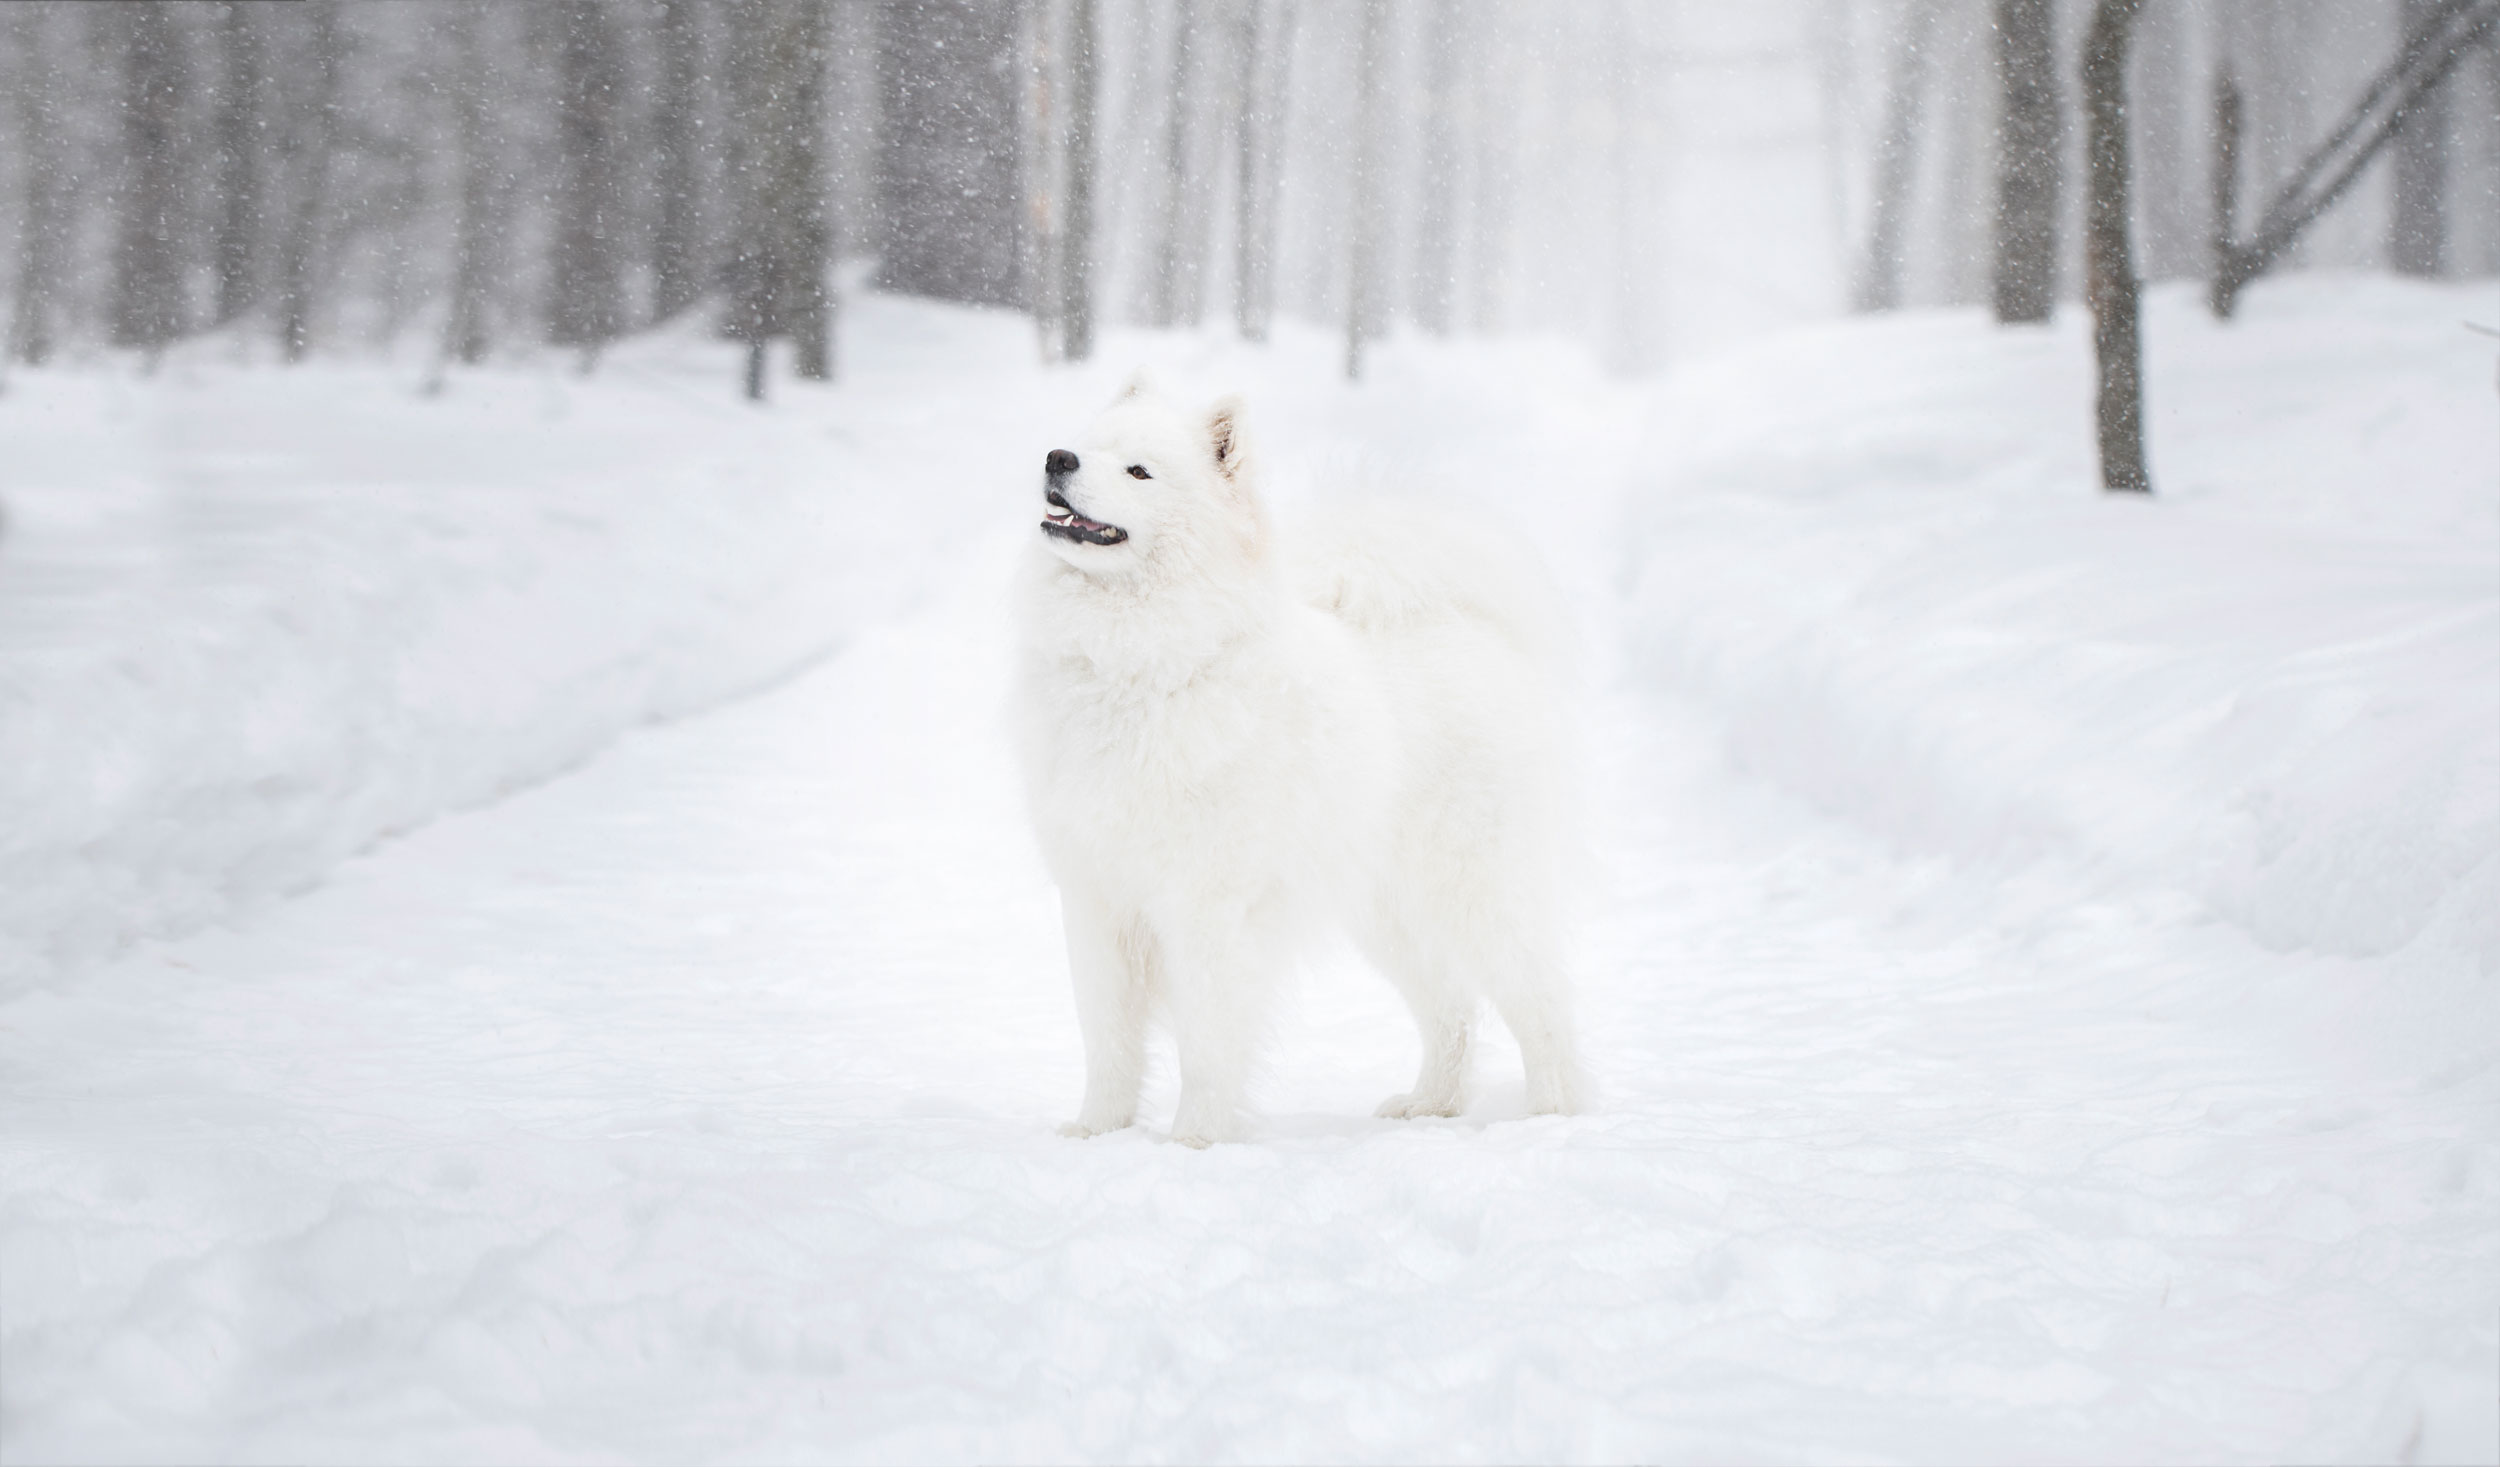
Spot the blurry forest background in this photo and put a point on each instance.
(519, 932)
(1652, 176)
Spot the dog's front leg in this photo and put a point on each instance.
(1217, 991)
(1110, 963)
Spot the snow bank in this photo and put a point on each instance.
(1878, 551)
(253, 619)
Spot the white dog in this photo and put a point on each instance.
(1226, 753)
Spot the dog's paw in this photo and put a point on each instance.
(1556, 1100)
(1200, 1132)
(1079, 1130)
(1414, 1107)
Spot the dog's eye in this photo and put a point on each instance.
(1138, 471)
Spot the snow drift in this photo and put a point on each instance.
(252, 620)
(1878, 554)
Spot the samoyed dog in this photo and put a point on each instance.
(1232, 746)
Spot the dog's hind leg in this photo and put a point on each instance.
(1444, 1015)
(1441, 1081)
(1530, 993)
(1112, 963)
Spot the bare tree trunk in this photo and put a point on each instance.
(1363, 221)
(1076, 300)
(2450, 30)
(1436, 224)
(2417, 240)
(1200, 183)
(42, 229)
(2276, 102)
(476, 239)
(240, 150)
(677, 235)
(1495, 78)
(807, 302)
(1172, 255)
(753, 268)
(1966, 240)
(586, 306)
(2029, 138)
(311, 134)
(147, 271)
(2160, 107)
(1131, 193)
(2119, 413)
(1270, 87)
(950, 152)
(2491, 120)
(1045, 206)
(1896, 160)
(780, 273)
(1249, 125)
(2225, 177)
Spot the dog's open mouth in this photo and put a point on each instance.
(1064, 522)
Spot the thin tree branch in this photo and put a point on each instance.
(2424, 61)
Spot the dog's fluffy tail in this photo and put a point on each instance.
(1388, 566)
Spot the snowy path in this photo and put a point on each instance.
(700, 1103)
(737, 1142)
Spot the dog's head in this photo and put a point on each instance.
(1152, 487)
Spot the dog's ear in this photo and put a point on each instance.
(1224, 437)
(1141, 383)
(1231, 450)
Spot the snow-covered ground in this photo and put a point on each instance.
(2037, 966)
(251, 620)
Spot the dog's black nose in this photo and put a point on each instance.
(1060, 462)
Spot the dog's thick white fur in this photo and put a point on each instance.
(1228, 750)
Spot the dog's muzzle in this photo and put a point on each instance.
(1066, 523)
